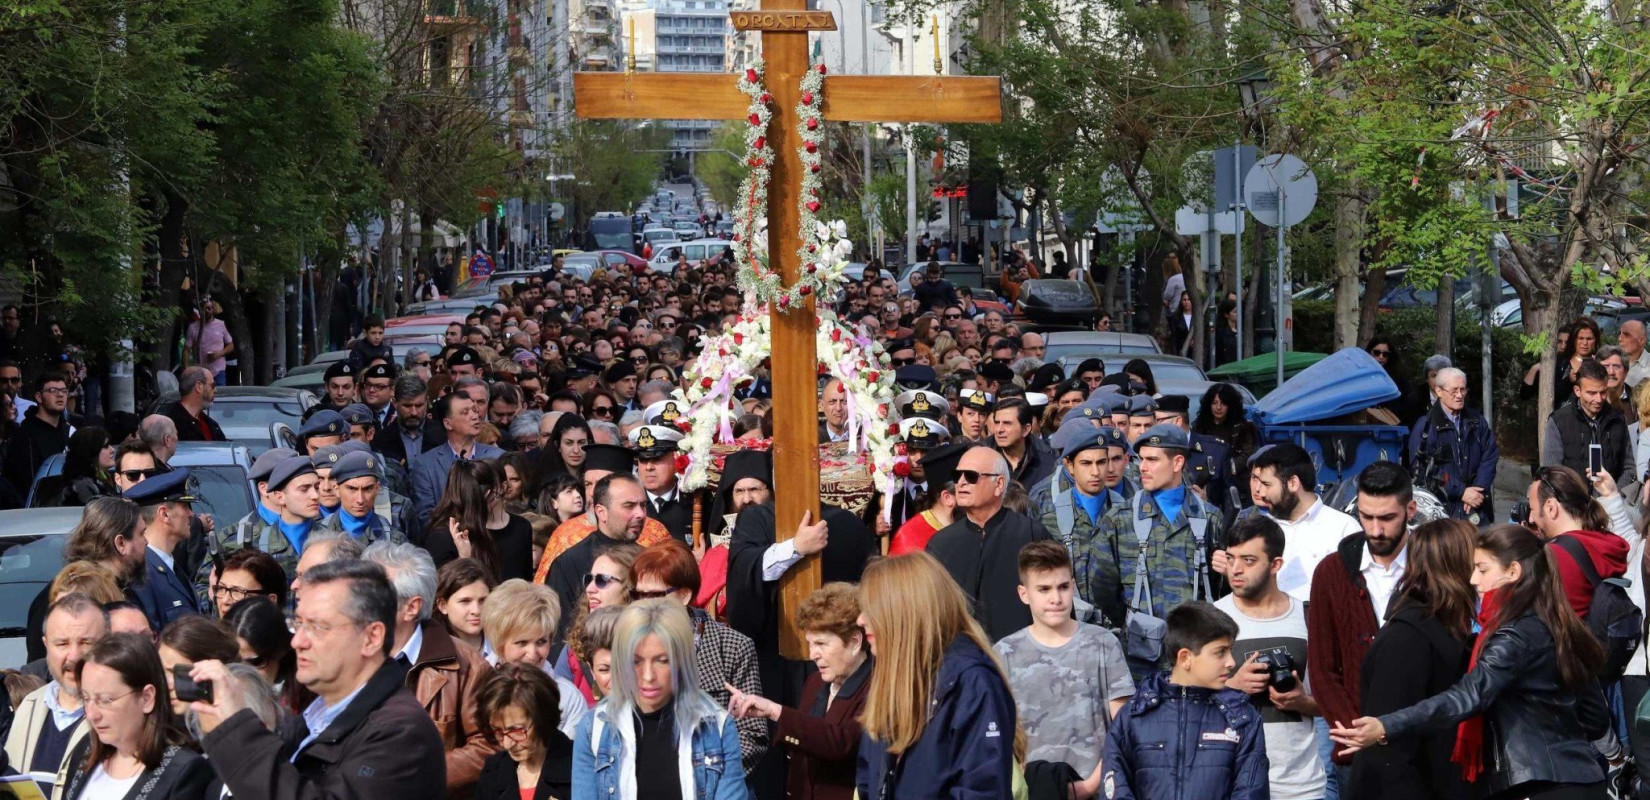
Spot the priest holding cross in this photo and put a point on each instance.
(783, 26)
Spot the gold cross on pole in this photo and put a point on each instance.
(783, 26)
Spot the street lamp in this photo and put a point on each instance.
(1255, 95)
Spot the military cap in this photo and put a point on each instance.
(463, 355)
(922, 403)
(355, 465)
(1142, 405)
(654, 441)
(1175, 404)
(609, 457)
(619, 370)
(1166, 436)
(922, 433)
(359, 414)
(1118, 380)
(326, 457)
(341, 369)
(168, 487)
(379, 371)
(1090, 365)
(1074, 436)
(583, 366)
(997, 372)
(905, 343)
(940, 464)
(288, 469)
(916, 376)
(1037, 400)
(1046, 375)
(265, 463)
(665, 412)
(976, 399)
(324, 423)
(1114, 438)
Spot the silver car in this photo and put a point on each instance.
(31, 553)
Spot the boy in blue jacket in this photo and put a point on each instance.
(1184, 735)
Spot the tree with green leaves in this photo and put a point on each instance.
(616, 163)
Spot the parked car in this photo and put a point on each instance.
(664, 256)
(217, 477)
(1105, 345)
(305, 378)
(31, 553)
(246, 412)
(1057, 302)
(1174, 375)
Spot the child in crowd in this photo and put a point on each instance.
(1069, 677)
(1184, 735)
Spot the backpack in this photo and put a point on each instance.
(1615, 621)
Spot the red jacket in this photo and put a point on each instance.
(1609, 553)
(1340, 624)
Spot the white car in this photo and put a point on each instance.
(664, 256)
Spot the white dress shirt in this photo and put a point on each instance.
(1307, 541)
(1382, 580)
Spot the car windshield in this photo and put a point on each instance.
(1077, 351)
(223, 492)
(27, 565)
(659, 235)
(1173, 372)
(256, 412)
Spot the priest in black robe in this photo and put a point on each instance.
(756, 562)
(981, 549)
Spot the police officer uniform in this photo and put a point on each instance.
(386, 415)
(339, 369)
(163, 594)
(351, 465)
(394, 474)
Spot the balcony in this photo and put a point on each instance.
(446, 16)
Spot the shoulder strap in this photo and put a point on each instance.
(1583, 559)
(1142, 581)
(1063, 513)
(1200, 534)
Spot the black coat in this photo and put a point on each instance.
(383, 745)
(188, 429)
(33, 442)
(498, 775)
(986, 564)
(1413, 657)
(1535, 729)
(182, 775)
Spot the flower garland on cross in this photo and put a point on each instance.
(731, 359)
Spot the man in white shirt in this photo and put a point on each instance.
(47, 725)
(1282, 478)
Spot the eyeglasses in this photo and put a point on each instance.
(515, 732)
(135, 475)
(234, 594)
(1383, 353)
(953, 316)
(105, 701)
(424, 363)
(313, 629)
(973, 476)
(55, 391)
(601, 411)
(601, 580)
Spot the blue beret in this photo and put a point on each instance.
(167, 487)
(1075, 436)
(915, 376)
(1114, 438)
(326, 457)
(266, 462)
(1142, 405)
(359, 414)
(324, 423)
(289, 469)
(1166, 436)
(355, 465)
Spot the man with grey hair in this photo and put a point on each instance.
(1631, 339)
(441, 671)
(196, 391)
(49, 722)
(524, 431)
(604, 432)
(1454, 446)
(653, 392)
(417, 363)
(324, 547)
(981, 548)
(161, 434)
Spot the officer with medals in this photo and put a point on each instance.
(656, 447)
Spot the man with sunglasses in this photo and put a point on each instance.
(981, 547)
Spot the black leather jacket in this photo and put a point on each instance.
(1535, 729)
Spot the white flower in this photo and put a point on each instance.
(840, 228)
(844, 249)
(822, 231)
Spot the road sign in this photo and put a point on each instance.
(481, 265)
(1280, 182)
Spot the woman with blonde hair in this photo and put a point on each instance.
(657, 732)
(520, 620)
(939, 716)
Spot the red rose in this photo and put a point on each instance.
(813, 168)
(893, 429)
(813, 206)
(785, 301)
(811, 147)
(872, 377)
(813, 123)
(812, 268)
(766, 98)
(750, 76)
(822, 69)
(760, 142)
(738, 338)
(808, 98)
(806, 290)
(755, 120)
(681, 462)
(902, 469)
(882, 409)
(707, 383)
(836, 334)
(684, 425)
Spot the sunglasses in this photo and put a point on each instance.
(641, 595)
(601, 411)
(973, 476)
(601, 580)
(1380, 353)
(135, 475)
(953, 316)
(904, 362)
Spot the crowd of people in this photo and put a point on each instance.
(478, 574)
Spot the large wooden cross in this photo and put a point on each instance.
(784, 26)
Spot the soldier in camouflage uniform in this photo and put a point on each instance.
(360, 471)
(363, 428)
(1073, 438)
(293, 487)
(1174, 518)
(228, 539)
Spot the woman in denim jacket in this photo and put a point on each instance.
(656, 734)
